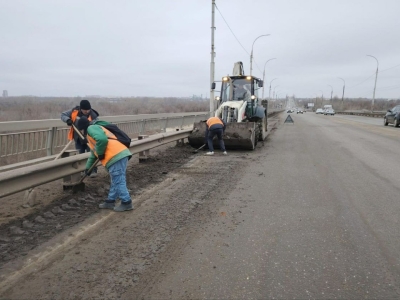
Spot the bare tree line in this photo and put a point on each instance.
(40, 108)
(352, 104)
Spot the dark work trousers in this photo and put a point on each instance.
(82, 149)
(211, 133)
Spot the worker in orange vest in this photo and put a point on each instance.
(72, 116)
(215, 127)
(114, 156)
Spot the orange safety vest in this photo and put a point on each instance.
(74, 114)
(113, 146)
(214, 120)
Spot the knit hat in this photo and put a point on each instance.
(83, 123)
(85, 104)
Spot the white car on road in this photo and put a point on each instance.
(329, 111)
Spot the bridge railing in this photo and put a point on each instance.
(26, 140)
(28, 176)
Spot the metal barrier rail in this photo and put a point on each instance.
(376, 114)
(33, 138)
(22, 176)
(17, 180)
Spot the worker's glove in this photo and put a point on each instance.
(88, 172)
(101, 156)
(69, 122)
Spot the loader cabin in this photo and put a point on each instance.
(239, 88)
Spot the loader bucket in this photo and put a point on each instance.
(237, 136)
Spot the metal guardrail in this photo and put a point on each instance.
(22, 176)
(17, 180)
(375, 114)
(38, 138)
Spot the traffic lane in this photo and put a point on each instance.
(362, 119)
(373, 125)
(373, 149)
(307, 220)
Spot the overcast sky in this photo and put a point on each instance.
(162, 48)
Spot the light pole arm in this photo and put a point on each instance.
(377, 62)
(264, 76)
(251, 55)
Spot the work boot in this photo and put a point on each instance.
(109, 205)
(224, 153)
(124, 206)
(210, 153)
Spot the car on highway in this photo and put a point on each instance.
(299, 111)
(289, 111)
(329, 111)
(392, 116)
(319, 111)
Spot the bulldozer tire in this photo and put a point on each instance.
(262, 129)
(257, 134)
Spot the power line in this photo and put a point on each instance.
(231, 29)
(390, 68)
(236, 37)
(362, 81)
(389, 88)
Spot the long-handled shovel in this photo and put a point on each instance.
(63, 150)
(78, 133)
(197, 150)
(80, 185)
(30, 195)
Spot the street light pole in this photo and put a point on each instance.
(376, 78)
(344, 84)
(273, 94)
(212, 64)
(316, 101)
(264, 76)
(251, 55)
(322, 99)
(331, 92)
(269, 95)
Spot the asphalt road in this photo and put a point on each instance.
(315, 216)
(314, 213)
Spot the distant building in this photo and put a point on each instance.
(116, 100)
(196, 97)
(5, 93)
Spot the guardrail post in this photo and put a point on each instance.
(71, 178)
(143, 127)
(180, 142)
(50, 138)
(143, 155)
(165, 125)
(177, 141)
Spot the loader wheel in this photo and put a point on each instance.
(263, 129)
(257, 135)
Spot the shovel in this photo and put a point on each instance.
(63, 150)
(80, 185)
(197, 150)
(78, 133)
